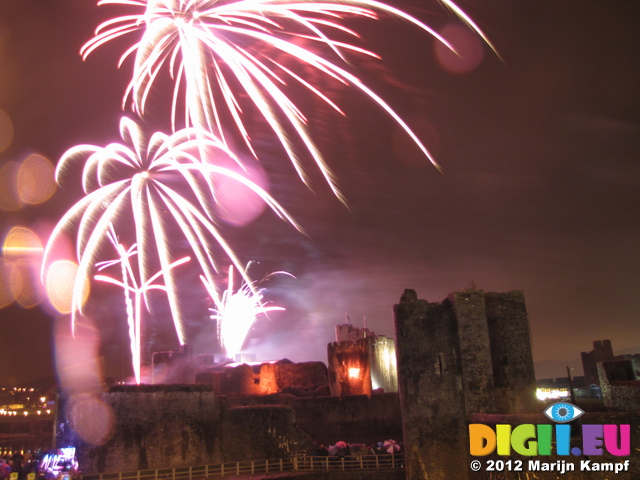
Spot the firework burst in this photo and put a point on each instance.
(236, 311)
(222, 53)
(156, 186)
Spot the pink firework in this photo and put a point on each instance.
(221, 53)
(155, 187)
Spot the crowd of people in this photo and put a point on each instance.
(344, 449)
(38, 465)
(24, 466)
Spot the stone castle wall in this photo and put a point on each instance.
(511, 354)
(621, 395)
(350, 418)
(474, 346)
(134, 428)
(430, 388)
(349, 368)
(131, 428)
(303, 378)
(469, 354)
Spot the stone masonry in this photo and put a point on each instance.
(470, 354)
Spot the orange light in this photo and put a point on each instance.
(354, 372)
(21, 242)
(59, 281)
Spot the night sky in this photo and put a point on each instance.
(539, 190)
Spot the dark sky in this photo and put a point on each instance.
(540, 153)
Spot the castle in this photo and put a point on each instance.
(466, 356)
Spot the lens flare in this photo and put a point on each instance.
(6, 131)
(468, 54)
(59, 281)
(25, 285)
(35, 182)
(6, 290)
(9, 197)
(237, 204)
(92, 419)
(22, 252)
(22, 242)
(76, 356)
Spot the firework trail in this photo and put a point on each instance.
(132, 287)
(154, 187)
(222, 53)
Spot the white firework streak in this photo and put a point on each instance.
(236, 311)
(142, 184)
(131, 286)
(203, 43)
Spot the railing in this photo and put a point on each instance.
(251, 467)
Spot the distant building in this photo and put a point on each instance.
(602, 352)
(620, 384)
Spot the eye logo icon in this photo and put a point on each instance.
(563, 412)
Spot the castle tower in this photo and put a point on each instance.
(361, 361)
(474, 349)
(348, 333)
(382, 359)
(430, 390)
(469, 354)
(511, 355)
(602, 352)
(349, 368)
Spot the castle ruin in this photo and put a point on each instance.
(469, 354)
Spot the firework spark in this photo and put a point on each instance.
(224, 51)
(132, 287)
(158, 186)
(236, 311)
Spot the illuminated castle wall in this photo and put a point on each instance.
(382, 357)
(360, 362)
(349, 368)
(283, 376)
